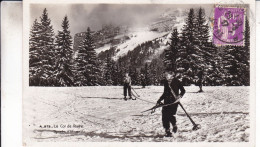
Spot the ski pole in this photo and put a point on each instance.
(136, 92)
(195, 126)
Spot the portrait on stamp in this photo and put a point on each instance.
(229, 26)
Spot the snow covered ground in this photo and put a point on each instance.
(100, 114)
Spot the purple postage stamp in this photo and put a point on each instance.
(228, 26)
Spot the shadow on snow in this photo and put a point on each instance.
(108, 135)
(110, 98)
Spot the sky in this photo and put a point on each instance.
(94, 16)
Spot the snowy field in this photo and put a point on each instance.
(100, 114)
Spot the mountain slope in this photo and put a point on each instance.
(136, 38)
(117, 41)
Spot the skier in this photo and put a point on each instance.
(200, 76)
(143, 80)
(127, 86)
(171, 87)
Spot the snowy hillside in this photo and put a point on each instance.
(163, 25)
(160, 27)
(222, 113)
(136, 38)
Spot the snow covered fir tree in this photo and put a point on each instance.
(63, 55)
(86, 63)
(42, 52)
(102, 56)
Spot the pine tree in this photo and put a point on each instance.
(195, 50)
(35, 53)
(63, 66)
(116, 74)
(202, 28)
(147, 74)
(246, 55)
(202, 35)
(189, 32)
(86, 69)
(42, 52)
(182, 64)
(108, 71)
(46, 42)
(247, 38)
(157, 69)
(153, 72)
(206, 51)
(171, 52)
(239, 65)
(101, 72)
(120, 70)
(213, 68)
(134, 75)
(230, 65)
(218, 67)
(189, 55)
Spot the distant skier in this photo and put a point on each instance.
(200, 76)
(127, 86)
(143, 80)
(171, 87)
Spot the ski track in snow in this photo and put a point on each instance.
(222, 113)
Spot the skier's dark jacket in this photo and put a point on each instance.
(168, 98)
(200, 74)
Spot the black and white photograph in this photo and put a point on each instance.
(138, 72)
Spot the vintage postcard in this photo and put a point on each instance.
(115, 73)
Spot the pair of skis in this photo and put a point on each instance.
(160, 105)
(195, 126)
